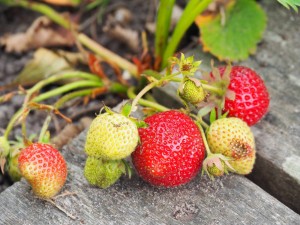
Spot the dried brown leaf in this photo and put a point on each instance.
(42, 33)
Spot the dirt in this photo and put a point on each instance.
(16, 19)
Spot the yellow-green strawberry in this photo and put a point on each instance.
(111, 136)
(233, 138)
(103, 173)
(44, 168)
(191, 91)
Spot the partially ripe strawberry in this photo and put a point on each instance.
(44, 168)
(111, 136)
(233, 138)
(251, 100)
(171, 149)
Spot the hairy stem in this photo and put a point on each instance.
(145, 102)
(142, 92)
(44, 128)
(208, 152)
(66, 88)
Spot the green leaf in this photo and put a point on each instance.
(290, 3)
(245, 22)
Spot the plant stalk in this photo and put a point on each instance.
(107, 54)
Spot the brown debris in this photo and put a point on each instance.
(42, 33)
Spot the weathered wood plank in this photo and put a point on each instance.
(277, 168)
(230, 200)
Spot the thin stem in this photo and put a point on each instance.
(60, 102)
(107, 54)
(62, 76)
(200, 120)
(66, 88)
(43, 9)
(208, 152)
(213, 89)
(145, 102)
(44, 128)
(142, 92)
(41, 84)
(186, 19)
(12, 122)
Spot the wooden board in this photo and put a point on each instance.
(230, 200)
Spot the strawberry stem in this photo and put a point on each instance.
(142, 92)
(44, 128)
(145, 102)
(66, 88)
(40, 85)
(213, 89)
(208, 152)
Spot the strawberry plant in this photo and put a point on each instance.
(170, 146)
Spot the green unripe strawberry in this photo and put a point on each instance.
(111, 136)
(233, 138)
(191, 91)
(103, 173)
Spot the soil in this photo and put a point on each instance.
(15, 20)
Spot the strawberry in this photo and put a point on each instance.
(251, 100)
(191, 91)
(44, 168)
(233, 138)
(171, 149)
(103, 173)
(111, 136)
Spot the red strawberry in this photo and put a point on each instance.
(44, 168)
(171, 149)
(251, 100)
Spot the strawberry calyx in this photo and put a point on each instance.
(216, 165)
(216, 85)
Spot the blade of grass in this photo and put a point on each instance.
(194, 8)
(163, 21)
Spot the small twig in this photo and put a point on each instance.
(61, 208)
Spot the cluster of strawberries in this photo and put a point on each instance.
(168, 148)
